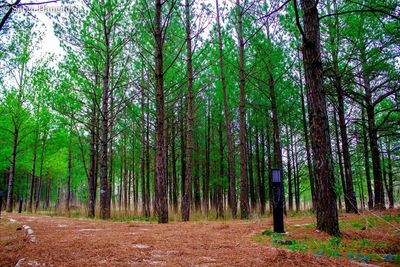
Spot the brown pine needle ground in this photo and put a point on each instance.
(82, 242)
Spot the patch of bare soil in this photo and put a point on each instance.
(74, 242)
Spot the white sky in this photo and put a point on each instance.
(51, 44)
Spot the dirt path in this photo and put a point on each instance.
(74, 242)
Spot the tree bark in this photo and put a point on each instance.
(390, 175)
(69, 167)
(327, 215)
(220, 198)
(10, 188)
(366, 161)
(161, 197)
(253, 199)
(244, 198)
(105, 208)
(306, 139)
(32, 184)
(261, 170)
(340, 163)
(207, 163)
(189, 140)
(289, 171)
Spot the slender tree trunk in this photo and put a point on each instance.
(220, 198)
(174, 186)
(68, 193)
(229, 141)
(183, 152)
(366, 162)
(207, 163)
(244, 198)
(10, 188)
(48, 192)
(105, 193)
(32, 184)
(339, 155)
(39, 183)
(376, 167)
(327, 215)
(161, 197)
(251, 178)
(350, 199)
(125, 175)
(269, 165)
(306, 139)
(296, 173)
(390, 175)
(373, 136)
(289, 171)
(93, 163)
(349, 193)
(189, 140)
(142, 150)
(261, 171)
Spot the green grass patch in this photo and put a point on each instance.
(363, 249)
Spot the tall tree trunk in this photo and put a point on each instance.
(10, 188)
(253, 200)
(148, 196)
(376, 164)
(183, 152)
(373, 135)
(189, 140)
(207, 163)
(39, 182)
(327, 215)
(125, 175)
(390, 174)
(105, 192)
(48, 192)
(269, 165)
(350, 199)
(220, 198)
(229, 141)
(142, 149)
(174, 185)
(289, 171)
(93, 163)
(32, 184)
(339, 155)
(161, 197)
(244, 198)
(261, 171)
(296, 179)
(306, 138)
(366, 161)
(69, 167)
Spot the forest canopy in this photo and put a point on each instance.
(171, 107)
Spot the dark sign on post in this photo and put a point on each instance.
(277, 201)
(20, 205)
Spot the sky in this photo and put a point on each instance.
(51, 44)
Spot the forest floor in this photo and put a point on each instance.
(64, 241)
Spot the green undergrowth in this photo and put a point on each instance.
(363, 239)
